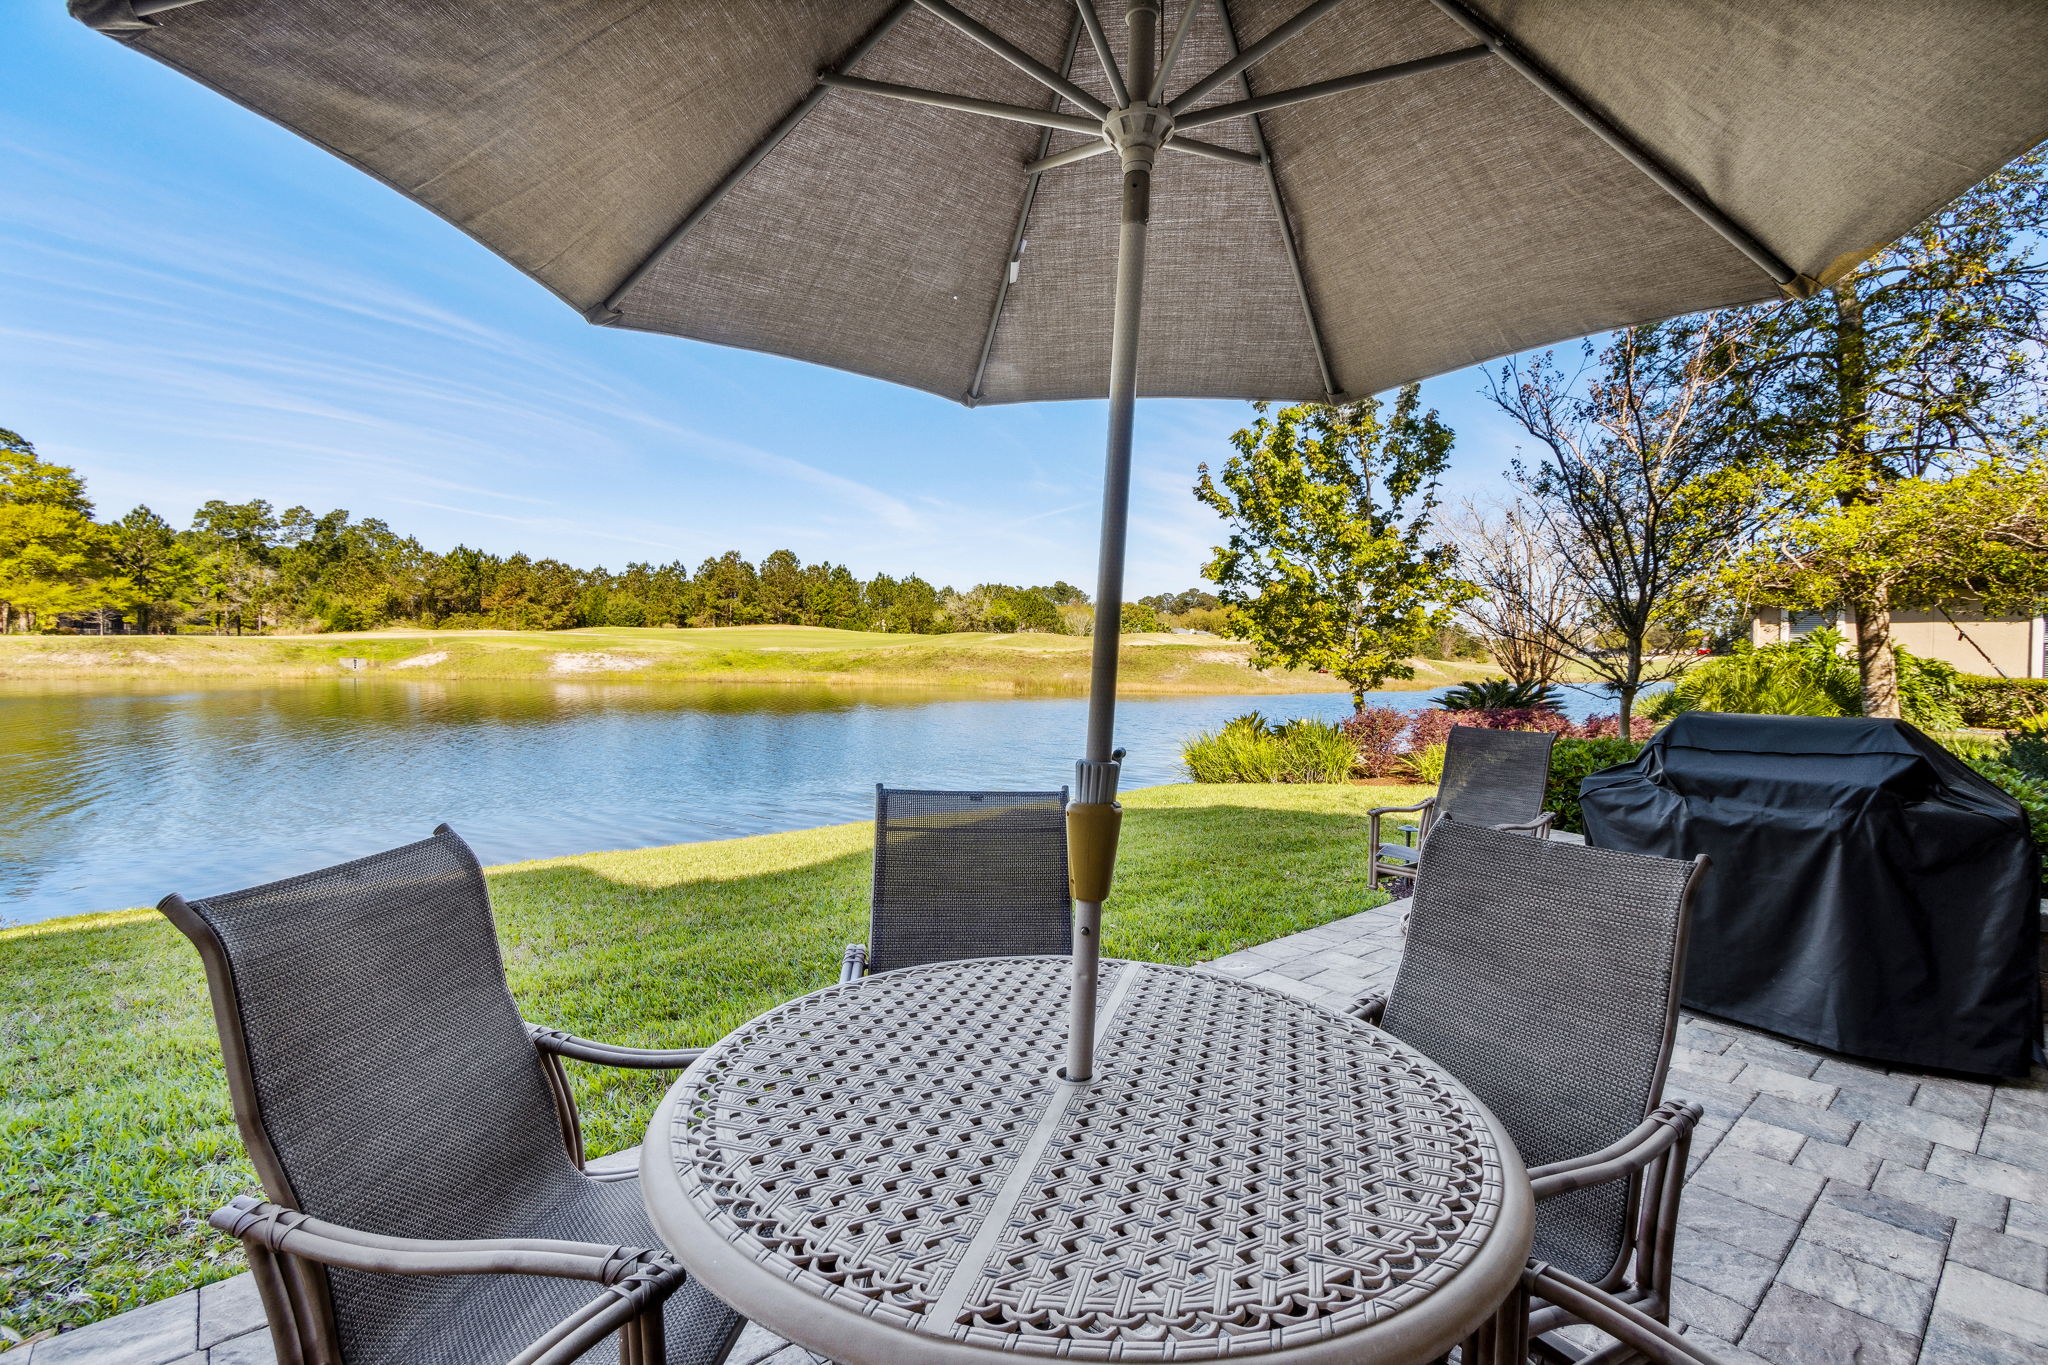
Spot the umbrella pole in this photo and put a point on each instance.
(1137, 130)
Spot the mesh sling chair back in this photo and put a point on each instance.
(1545, 976)
(1490, 777)
(416, 1137)
(965, 874)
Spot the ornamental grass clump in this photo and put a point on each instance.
(1248, 749)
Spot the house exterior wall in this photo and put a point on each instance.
(2012, 646)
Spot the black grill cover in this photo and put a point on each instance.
(1869, 892)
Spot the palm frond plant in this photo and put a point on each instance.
(1502, 694)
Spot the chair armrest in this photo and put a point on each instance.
(1625, 1322)
(562, 1044)
(1368, 1007)
(1650, 1139)
(1424, 804)
(854, 965)
(1540, 826)
(299, 1234)
(637, 1280)
(1372, 831)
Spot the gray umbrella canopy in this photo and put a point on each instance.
(676, 167)
(985, 199)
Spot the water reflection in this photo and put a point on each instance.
(111, 799)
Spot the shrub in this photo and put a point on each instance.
(2024, 753)
(2001, 703)
(1805, 677)
(1499, 694)
(1640, 727)
(1810, 676)
(1248, 749)
(1570, 762)
(2030, 791)
(1314, 751)
(1929, 692)
(1427, 763)
(1376, 734)
(1434, 727)
(1236, 753)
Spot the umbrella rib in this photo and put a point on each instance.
(966, 104)
(1252, 55)
(1066, 158)
(1017, 57)
(144, 8)
(995, 314)
(1119, 96)
(1209, 151)
(1180, 35)
(1176, 143)
(1503, 46)
(1280, 99)
(609, 310)
(1308, 308)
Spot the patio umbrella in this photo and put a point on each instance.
(1336, 196)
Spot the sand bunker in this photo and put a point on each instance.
(597, 661)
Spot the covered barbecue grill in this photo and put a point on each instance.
(1870, 892)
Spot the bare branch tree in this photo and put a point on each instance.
(1528, 600)
(1634, 495)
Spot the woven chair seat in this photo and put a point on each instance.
(389, 1085)
(1545, 977)
(465, 1319)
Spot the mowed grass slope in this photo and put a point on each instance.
(115, 1133)
(1024, 662)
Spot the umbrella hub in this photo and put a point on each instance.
(1138, 131)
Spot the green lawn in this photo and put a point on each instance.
(115, 1135)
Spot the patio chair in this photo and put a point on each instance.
(965, 874)
(1638, 1336)
(1545, 976)
(1491, 777)
(417, 1140)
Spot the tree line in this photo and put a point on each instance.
(244, 568)
(1879, 447)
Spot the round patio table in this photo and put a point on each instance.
(891, 1172)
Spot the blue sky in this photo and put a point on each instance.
(196, 304)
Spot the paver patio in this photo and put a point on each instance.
(1838, 1213)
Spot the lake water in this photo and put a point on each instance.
(113, 799)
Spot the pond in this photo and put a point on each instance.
(115, 798)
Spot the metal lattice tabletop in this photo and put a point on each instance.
(891, 1171)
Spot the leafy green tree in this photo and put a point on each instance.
(50, 550)
(831, 597)
(729, 590)
(1138, 618)
(781, 589)
(238, 542)
(667, 595)
(1329, 563)
(534, 594)
(907, 606)
(1979, 535)
(1922, 363)
(1036, 611)
(156, 573)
